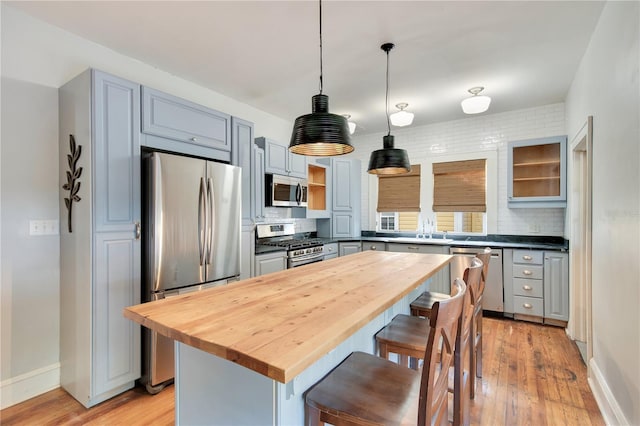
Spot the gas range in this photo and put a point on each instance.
(300, 250)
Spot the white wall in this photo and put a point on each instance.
(607, 87)
(37, 58)
(487, 132)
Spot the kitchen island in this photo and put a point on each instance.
(246, 352)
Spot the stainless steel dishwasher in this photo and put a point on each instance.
(493, 299)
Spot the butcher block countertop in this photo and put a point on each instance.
(279, 324)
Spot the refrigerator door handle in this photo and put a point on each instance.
(211, 216)
(202, 221)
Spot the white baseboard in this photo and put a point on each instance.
(25, 386)
(609, 407)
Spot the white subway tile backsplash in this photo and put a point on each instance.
(488, 132)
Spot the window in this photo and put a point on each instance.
(459, 196)
(399, 201)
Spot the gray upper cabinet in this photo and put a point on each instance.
(116, 144)
(258, 189)
(169, 117)
(345, 199)
(242, 143)
(537, 170)
(100, 259)
(278, 160)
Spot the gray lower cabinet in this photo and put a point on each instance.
(556, 286)
(257, 190)
(440, 282)
(331, 250)
(349, 247)
(100, 256)
(369, 245)
(536, 285)
(270, 262)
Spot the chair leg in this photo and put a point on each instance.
(403, 360)
(478, 347)
(384, 350)
(312, 416)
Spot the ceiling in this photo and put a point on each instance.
(266, 53)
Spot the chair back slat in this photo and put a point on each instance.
(439, 355)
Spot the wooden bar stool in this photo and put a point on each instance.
(405, 336)
(421, 306)
(476, 352)
(369, 390)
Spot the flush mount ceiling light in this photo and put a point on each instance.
(320, 133)
(476, 104)
(402, 117)
(388, 160)
(351, 124)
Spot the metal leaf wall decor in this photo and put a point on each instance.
(73, 174)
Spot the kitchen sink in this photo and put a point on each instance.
(421, 240)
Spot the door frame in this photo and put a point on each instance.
(580, 326)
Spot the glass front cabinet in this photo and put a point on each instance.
(537, 170)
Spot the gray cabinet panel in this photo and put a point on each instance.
(242, 142)
(278, 160)
(556, 286)
(116, 116)
(369, 245)
(343, 196)
(271, 262)
(117, 285)
(171, 117)
(342, 224)
(350, 248)
(258, 185)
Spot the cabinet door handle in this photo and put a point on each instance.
(527, 272)
(527, 257)
(527, 305)
(373, 248)
(413, 248)
(138, 230)
(526, 287)
(330, 249)
(194, 139)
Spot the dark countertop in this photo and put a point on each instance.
(261, 249)
(491, 240)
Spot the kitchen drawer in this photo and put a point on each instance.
(533, 306)
(369, 245)
(418, 248)
(174, 118)
(330, 249)
(527, 271)
(527, 287)
(527, 256)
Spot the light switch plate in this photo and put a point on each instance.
(43, 227)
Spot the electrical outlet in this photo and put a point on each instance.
(35, 227)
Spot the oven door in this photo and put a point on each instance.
(284, 191)
(294, 262)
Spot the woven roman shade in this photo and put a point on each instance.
(460, 186)
(399, 193)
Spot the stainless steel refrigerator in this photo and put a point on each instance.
(192, 239)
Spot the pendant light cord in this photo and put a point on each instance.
(386, 98)
(320, 3)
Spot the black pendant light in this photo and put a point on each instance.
(320, 133)
(388, 160)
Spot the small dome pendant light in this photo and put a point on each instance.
(475, 104)
(388, 160)
(320, 133)
(401, 118)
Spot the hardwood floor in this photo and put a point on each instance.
(533, 375)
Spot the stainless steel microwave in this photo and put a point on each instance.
(285, 191)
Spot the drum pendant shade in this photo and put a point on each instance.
(320, 133)
(389, 160)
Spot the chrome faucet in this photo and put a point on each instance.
(444, 235)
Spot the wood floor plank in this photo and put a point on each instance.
(532, 375)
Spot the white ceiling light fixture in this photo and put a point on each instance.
(401, 118)
(351, 124)
(475, 104)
